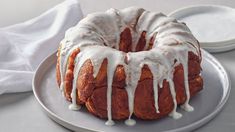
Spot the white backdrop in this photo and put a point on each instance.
(15, 11)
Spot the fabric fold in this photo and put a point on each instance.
(23, 46)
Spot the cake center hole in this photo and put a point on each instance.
(142, 44)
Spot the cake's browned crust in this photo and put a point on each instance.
(125, 42)
(92, 91)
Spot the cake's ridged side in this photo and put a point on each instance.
(141, 42)
(125, 40)
(111, 83)
(151, 42)
(58, 74)
(93, 91)
(68, 82)
(87, 86)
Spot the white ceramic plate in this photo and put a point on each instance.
(212, 25)
(207, 103)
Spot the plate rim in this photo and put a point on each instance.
(192, 126)
(219, 49)
(217, 44)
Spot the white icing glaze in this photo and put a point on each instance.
(130, 122)
(98, 37)
(109, 122)
(74, 107)
(174, 114)
(62, 85)
(154, 70)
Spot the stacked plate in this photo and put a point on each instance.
(212, 25)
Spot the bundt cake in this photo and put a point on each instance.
(130, 62)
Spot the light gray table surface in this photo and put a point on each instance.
(21, 112)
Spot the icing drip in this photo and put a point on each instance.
(110, 71)
(130, 122)
(62, 92)
(91, 53)
(181, 55)
(67, 48)
(186, 105)
(174, 114)
(109, 123)
(132, 78)
(62, 85)
(77, 67)
(61, 69)
(155, 85)
(164, 54)
(74, 107)
(98, 34)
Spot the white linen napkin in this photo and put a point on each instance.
(23, 46)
